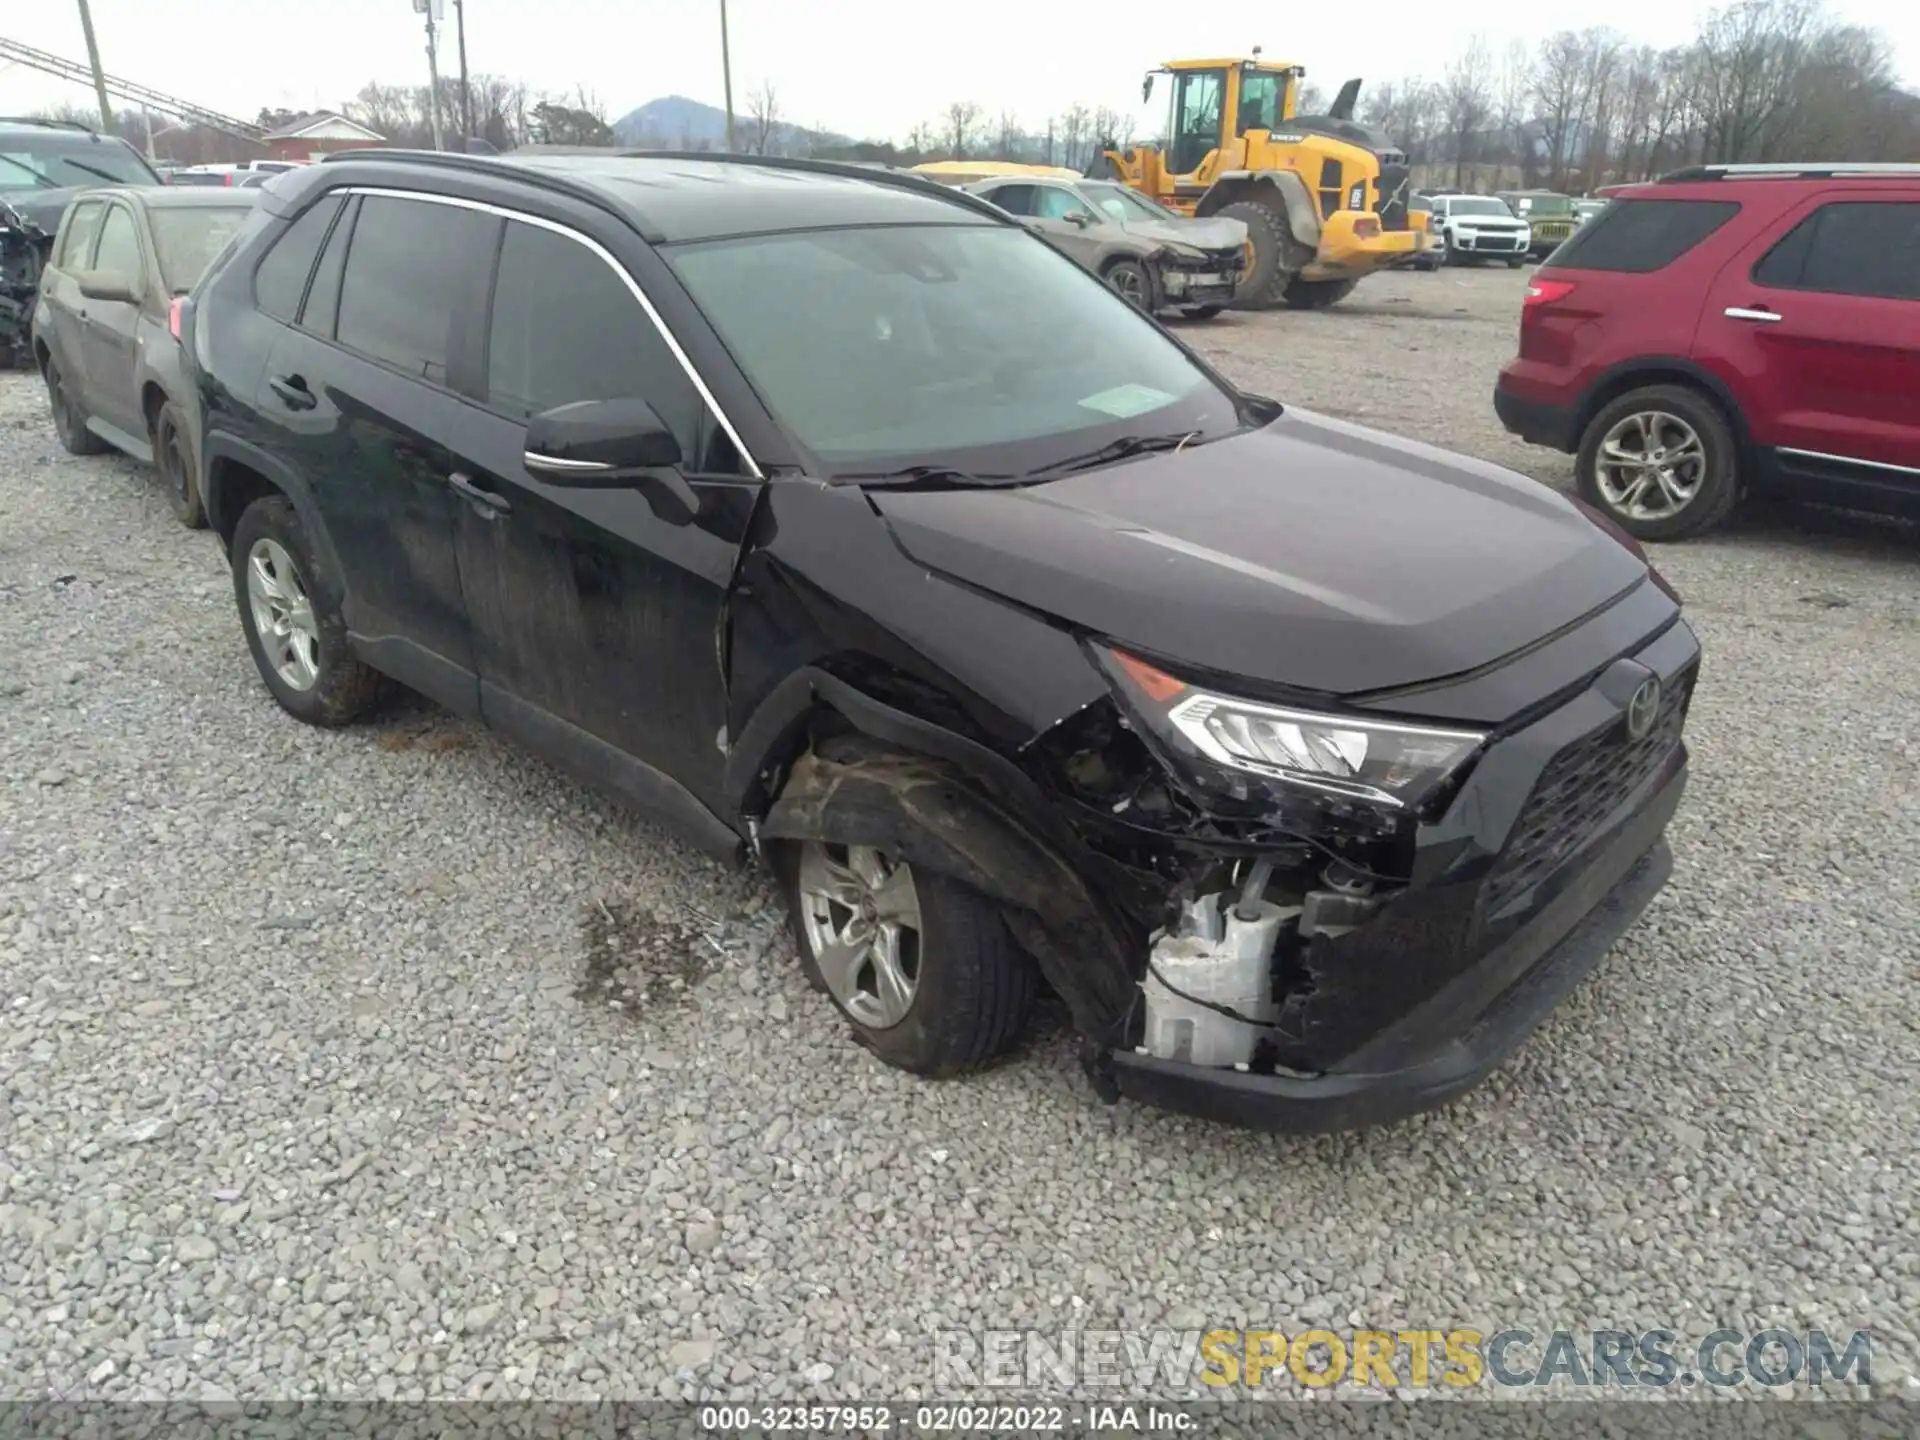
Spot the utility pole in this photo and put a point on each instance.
(466, 94)
(99, 75)
(427, 8)
(726, 74)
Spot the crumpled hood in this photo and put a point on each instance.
(1215, 233)
(1310, 554)
(44, 207)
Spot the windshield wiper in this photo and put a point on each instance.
(1125, 448)
(106, 175)
(933, 476)
(41, 180)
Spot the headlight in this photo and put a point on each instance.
(1398, 766)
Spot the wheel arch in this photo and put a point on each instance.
(234, 474)
(1296, 201)
(1640, 373)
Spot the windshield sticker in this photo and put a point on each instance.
(1123, 402)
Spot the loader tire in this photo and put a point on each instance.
(1317, 294)
(1265, 283)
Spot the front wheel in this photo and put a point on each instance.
(1514, 262)
(922, 968)
(1204, 312)
(1662, 462)
(1131, 283)
(1317, 294)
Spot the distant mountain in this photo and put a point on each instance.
(674, 122)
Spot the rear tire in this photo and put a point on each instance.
(1265, 280)
(1678, 424)
(69, 418)
(968, 987)
(1317, 294)
(305, 658)
(173, 458)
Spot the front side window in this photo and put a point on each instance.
(119, 252)
(1198, 98)
(1053, 202)
(188, 237)
(280, 280)
(1850, 247)
(408, 270)
(1259, 102)
(1637, 237)
(566, 328)
(973, 346)
(76, 251)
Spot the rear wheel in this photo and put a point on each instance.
(69, 419)
(1317, 294)
(1662, 462)
(922, 967)
(173, 457)
(1265, 278)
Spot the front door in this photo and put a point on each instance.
(1816, 328)
(597, 622)
(360, 391)
(109, 328)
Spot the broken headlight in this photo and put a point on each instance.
(1393, 765)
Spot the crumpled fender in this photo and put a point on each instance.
(850, 792)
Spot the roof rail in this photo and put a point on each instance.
(1802, 170)
(49, 124)
(876, 172)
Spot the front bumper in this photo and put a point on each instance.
(1492, 242)
(1512, 904)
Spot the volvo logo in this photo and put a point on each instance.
(1643, 708)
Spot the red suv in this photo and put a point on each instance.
(1726, 328)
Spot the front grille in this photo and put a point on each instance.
(1578, 791)
(1396, 183)
(1220, 262)
(1552, 229)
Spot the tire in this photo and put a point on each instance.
(1204, 312)
(1448, 255)
(1266, 277)
(1132, 283)
(1670, 412)
(315, 675)
(69, 419)
(173, 458)
(971, 986)
(1514, 262)
(1317, 294)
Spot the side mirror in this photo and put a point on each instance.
(1146, 88)
(1080, 218)
(96, 286)
(611, 445)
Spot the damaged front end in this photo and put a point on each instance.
(24, 248)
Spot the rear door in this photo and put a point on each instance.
(1816, 325)
(363, 394)
(110, 329)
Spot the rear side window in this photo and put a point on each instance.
(1637, 237)
(77, 248)
(1850, 247)
(409, 269)
(281, 280)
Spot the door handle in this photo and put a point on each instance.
(1741, 312)
(293, 392)
(486, 501)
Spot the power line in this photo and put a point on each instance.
(138, 94)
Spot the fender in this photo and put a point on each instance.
(1302, 218)
(1617, 379)
(216, 493)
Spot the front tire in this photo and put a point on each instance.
(290, 612)
(69, 418)
(1204, 312)
(1132, 283)
(173, 458)
(1662, 462)
(1317, 294)
(1514, 262)
(1265, 279)
(922, 968)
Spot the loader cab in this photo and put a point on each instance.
(1214, 102)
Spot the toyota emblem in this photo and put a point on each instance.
(1643, 708)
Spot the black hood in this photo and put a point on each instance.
(1311, 554)
(45, 207)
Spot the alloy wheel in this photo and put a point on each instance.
(860, 914)
(1649, 465)
(283, 615)
(1129, 284)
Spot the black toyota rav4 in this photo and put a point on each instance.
(828, 515)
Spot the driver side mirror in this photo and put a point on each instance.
(96, 285)
(611, 445)
(1080, 218)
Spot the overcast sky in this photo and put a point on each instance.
(861, 67)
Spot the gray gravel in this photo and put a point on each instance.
(390, 1063)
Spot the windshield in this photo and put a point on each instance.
(187, 237)
(1479, 205)
(1547, 204)
(26, 166)
(1120, 203)
(977, 347)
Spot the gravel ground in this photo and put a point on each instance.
(390, 1063)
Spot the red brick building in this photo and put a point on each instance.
(319, 134)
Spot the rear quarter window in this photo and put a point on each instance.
(1637, 237)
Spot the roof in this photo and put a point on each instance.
(185, 197)
(300, 126)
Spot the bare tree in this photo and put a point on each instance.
(961, 117)
(763, 109)
(1008, 138)
(1072, 129)
(1512, 89)
(923, 140)
(1309, 99)
(1467, 97)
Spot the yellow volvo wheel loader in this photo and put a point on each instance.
(1324, 198)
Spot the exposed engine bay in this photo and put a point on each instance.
(24, 248)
